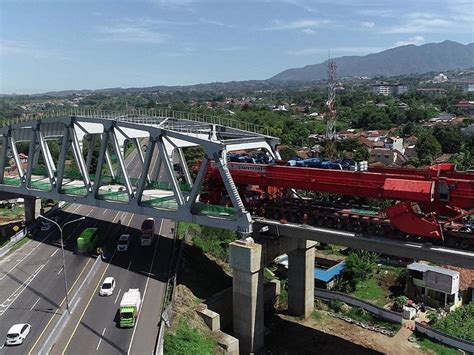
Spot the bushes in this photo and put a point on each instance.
(399, 302)
(212, 241)
(187, 340)
(359, 266)
(459, 323)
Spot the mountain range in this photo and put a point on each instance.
(408, 59)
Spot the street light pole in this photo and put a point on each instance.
(62, 249)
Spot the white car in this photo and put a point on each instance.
(17, 334)
(108, 286)
(123, 242)
(46, 226)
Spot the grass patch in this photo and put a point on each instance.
(13, 213)
(268, 275)
(187, 340)
(436, 348)
(4, 241)
(184, 226)
(22, 242)
(459, 323)
(212, 241)
(369, 290)
(317, 315)
(283, 298)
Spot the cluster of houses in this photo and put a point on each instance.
(445, 288)
(384, 146)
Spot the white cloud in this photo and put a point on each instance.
(367, 24)
(131, 33)
(308, 31)
(375, 12)
(416, 40)
(425, 22)
(10, 47)
(232, 49)
(278, 25)
(338, 50)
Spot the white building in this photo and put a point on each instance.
(435, 286)
(394, 143)
(440, 78)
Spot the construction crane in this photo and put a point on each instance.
(433, 203)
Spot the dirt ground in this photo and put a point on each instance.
(333, 336)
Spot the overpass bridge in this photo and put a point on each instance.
(80, 157)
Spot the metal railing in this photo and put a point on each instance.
(145, 116)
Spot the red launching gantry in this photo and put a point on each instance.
(433, 203)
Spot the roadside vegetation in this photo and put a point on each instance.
(188, 340)
(459, 323)
(212, 241)
(433, 347)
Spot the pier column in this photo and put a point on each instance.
(32, 209)
(301, 279)
(247, 294)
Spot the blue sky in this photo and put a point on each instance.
(76, 44)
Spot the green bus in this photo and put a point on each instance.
(88, 240)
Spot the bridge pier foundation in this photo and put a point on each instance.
(301, 279)
(32, 209)
(247, 294)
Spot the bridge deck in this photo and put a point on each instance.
(394, 247)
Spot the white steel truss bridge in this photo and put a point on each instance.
(82, 156)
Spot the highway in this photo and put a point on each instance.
(32, 284)
(145, 268)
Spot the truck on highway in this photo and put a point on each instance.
(129, 307)
(147, 233)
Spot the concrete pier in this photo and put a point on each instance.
(301, 279)
(32, 208)
(247, 294)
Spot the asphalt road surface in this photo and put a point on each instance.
(32, 283)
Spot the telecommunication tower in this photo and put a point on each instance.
(331, 102)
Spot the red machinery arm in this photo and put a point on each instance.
(398, 184)
(437, 189)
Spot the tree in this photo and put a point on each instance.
(399, 302)
(330, 150)
(361, 153)
(428, 148)
(287, 153)
(449, 137)
(409, 129)
(359, 266)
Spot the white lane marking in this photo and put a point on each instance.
(33, 306)
(100, 340)
(61, 269)
(118, 294)
(144, 292)
(54, 253)
(105, 211)
(9, 301)
(77, 207)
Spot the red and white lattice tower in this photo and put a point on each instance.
(331, 102)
